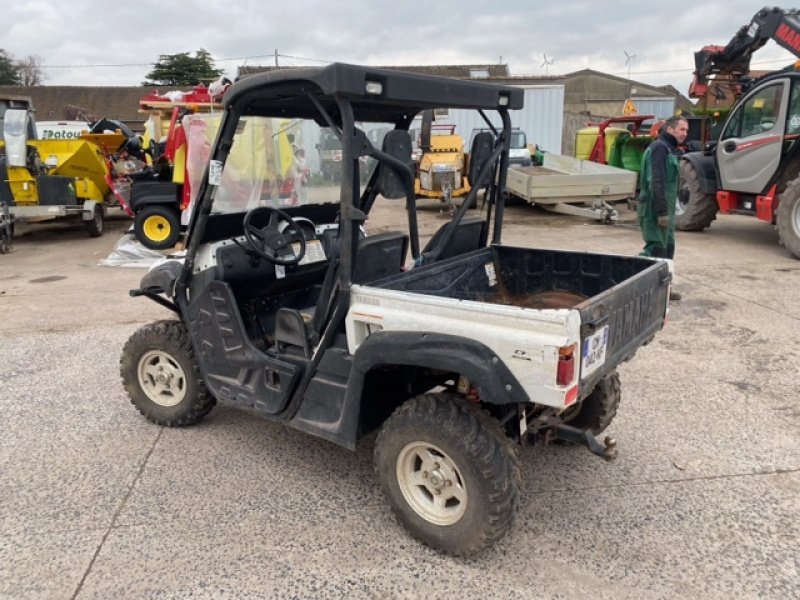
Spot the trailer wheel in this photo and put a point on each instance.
(695, 209)
(157, 227)
(599, 408)
(96, 225)
(449, 473)
(161, 375)
(788, 218)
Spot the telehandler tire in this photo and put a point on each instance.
(449, 473)
(161, 375)
(695, 209)
(788, 218)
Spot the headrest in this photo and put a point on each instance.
(479, 153)
(391, 184)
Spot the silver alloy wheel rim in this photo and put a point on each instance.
(431, 483)
(795, 218)
(162, 379)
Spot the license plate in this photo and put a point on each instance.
(594, 352)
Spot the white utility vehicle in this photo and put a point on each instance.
(457, 355)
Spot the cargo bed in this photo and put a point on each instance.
(617, 301)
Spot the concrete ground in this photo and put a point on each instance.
(703, 501)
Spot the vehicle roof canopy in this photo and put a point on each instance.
(286, 93)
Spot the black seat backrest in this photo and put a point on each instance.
(379, 256)
(470, 235)
(479, 153)
(390, 184)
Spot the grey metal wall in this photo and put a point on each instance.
(660, 107)
(541, 118)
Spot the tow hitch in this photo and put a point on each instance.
(582, 437)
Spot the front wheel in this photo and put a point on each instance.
(162, 377)
(449, 472)
(788, 218)
(157, 227)
(695, 208)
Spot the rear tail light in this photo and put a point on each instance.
(566, 365)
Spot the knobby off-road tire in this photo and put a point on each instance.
(599, 408)
(695, 209)
(449, 472)
(788, 218)
(162, 377)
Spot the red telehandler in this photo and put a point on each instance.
(754, 166)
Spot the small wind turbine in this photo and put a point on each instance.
(546, 63)
(629, 58)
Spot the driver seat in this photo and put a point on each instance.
(377, 256)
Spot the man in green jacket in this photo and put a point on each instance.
(659, 190)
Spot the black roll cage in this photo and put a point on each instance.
(337, 96)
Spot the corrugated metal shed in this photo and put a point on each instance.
(541, 118)
(660, 107)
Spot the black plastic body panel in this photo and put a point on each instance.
(161, 279)
(147, 193)
(234, 370)
(54, 190)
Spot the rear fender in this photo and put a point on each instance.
(491, 377)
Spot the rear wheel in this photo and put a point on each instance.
(157, 227)
(695, 208)
(599, 408)
(788, 218)
(449, 472)
(96, 225)
(162, 377)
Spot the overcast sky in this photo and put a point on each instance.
(77, 40)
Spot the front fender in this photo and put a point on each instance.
(705, 167)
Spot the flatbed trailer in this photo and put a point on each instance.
(573, 186)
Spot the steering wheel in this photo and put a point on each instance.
(268, 241)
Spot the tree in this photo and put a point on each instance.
(9, 75)
(29, 70)
(182, 69)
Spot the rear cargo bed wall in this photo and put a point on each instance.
(502, 275)
(524, 271)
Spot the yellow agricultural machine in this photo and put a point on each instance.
(44, 179)
(441, 163)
